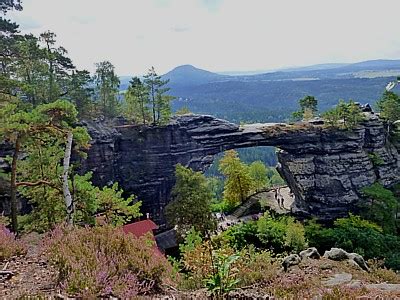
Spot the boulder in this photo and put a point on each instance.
(336, 254)
(310, 253)
(359, 260)
(291, 260)
(354, 259)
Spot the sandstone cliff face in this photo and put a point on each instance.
(326, 169)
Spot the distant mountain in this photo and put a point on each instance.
(315, 67)
(378, 64)
(272, 96)
(190, 75)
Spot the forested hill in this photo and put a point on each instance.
(273, 96)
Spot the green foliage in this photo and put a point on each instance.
(107, 84)
(117, 210)
(223, 280)
(223, 206)
(331, 117)
(389, 106)
(381, 207)
(308, 108)
(240, 236)
(375, 159)
(238, 183)
(85, 198)
(136, 102)
(191, 200)
(281, 234)
(355, 234)
(258, 174)
(40, 133)
(159, 102)
(344, 115)
(216, 185)
(192, 240)
(295, 236)
(274, 178)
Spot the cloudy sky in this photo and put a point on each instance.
(217, 35)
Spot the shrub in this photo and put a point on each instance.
(281, 234)
(223, 278)
(318, 236)
(256, 266)
(103, 261)
(271, 232)
(346, 115)
(9, 246)
(381, 207)
(239, 236)
(248, 267)
(295, 236)
(382, 274)
(355, 234)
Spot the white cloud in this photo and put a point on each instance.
(217, 35)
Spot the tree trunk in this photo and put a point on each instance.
(13, 192)
(153, 100)
(142, 107)
(67, 194)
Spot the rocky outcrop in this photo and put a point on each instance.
(354, 259)
(325, 168)
(310, 253)
(289, 261)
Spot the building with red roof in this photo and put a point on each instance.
(141, 228)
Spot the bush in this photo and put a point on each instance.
(295, 236)
(281, 234)
(248, 266)
(382, 274)
(9, 246)
(239, 236)
(224, 277)
(355, 234)
(104, 261)
(381, 207)
(256, 266)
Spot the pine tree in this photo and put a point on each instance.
(389, 106)
(107, 84)
(190, 205)
(160, 103)
(40, 134)
(137, 101)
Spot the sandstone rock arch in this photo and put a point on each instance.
(325, 168)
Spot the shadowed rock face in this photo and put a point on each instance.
(326, 169)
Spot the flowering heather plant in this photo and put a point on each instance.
(9, 246)
(104, 261)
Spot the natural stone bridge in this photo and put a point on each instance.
(325, 168)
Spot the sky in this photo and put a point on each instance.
(216, 35)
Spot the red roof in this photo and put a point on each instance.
(140, 228)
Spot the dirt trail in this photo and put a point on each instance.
(32, 274)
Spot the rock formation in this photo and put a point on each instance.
(325, 168)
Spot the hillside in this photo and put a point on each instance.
(273, 96)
